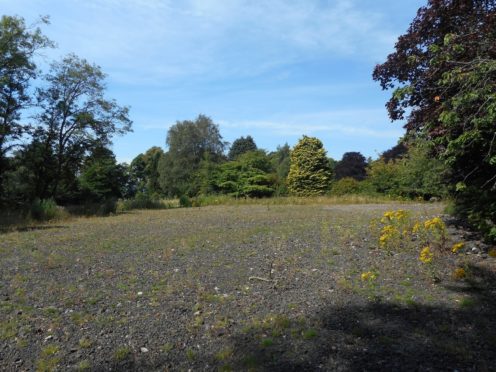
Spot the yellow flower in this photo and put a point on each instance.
(456, 247)
(435, 223)
(387, 233)
(426, 255)
(459, 273)
(416, 228)
(368, 275)
(400, 214)
(389, 214)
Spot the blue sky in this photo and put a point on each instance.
(272, 69)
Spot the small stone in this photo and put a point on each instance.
(48, 338)
(144, 350)
(196, 313)
(140, 293)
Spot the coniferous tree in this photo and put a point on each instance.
(309, 172)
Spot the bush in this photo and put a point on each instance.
(141, 201)
(103, 208)
(185, 202)
(345, 186)
(107, 207)
(45, 210)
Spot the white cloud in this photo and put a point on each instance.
(147, 41)
(362, 123)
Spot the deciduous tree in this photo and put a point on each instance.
(443, 72)
(18, 45)
(189, 142)
(353, 164)
(75, 117)
(240, 146)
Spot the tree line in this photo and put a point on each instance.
(55, 137)
(198, 162)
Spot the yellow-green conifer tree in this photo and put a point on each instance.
(309, 172)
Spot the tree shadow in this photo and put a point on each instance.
(388, 337)
(368, 336)
(8, 229)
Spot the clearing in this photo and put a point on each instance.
(250, 287)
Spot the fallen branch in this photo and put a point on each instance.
(259, 278)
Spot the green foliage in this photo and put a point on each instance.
(140, 201)
(101, 177)
(18, 46)
(44, 210)
(247, 176)
(185, 202)
(75, 117)
(241, 146)
(144, 172)
(344, 186)
(280, 160)
(444, 72)
(88, 208)
(416, 174)
(189, 142)
(309, 172)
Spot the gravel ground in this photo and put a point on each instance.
(252, 287)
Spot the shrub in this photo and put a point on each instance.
(185, 202)
(141, 201)
(108, 206)
(345, 186)
(45, 210)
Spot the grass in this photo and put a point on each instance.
(122, 353)
(252, 284)
(85, 343)
(309, 334)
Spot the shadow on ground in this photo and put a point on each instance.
(7, 229)
(375, 336)
(385, 336)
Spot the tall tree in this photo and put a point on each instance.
(247, 176)
(280, 162)
(101, 177)
(189, 142)
(152, 158)
(353, 164)
(443, 72)
(75, 117)
(240, 146)
(395, 152)
(18, 45)
(309, 172)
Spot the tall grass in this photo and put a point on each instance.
(46, 210)
(294, 200)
